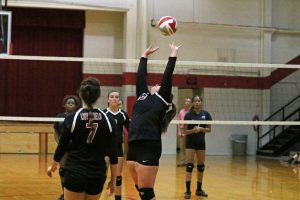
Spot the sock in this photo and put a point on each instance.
(62, 187)
(117, 197)
(199, 185)
(188, 186)
(137, 187)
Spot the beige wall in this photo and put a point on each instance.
(25, 143)
(103, 35)
(26, 138)
(19, 143)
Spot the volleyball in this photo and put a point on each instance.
(167, 25)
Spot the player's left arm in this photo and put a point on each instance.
(112, 143)
(127, 121)
(207, 128)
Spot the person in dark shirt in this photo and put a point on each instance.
(122, 120)
(88, 135)
(195, 144)
(70, 103)
(146, 125)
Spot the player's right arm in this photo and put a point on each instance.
(63, 145)
(180, 126)
(141, 81)
(61, 149)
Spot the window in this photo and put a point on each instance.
(5, 32)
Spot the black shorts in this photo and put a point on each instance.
(195, 143)
(78, 183)
(145, 152)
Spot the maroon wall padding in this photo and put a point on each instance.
(279, 74)
(36, 88)
(130, 103)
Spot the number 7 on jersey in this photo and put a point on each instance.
(92, 133)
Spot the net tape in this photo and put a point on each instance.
(213, 122)
(127, 61)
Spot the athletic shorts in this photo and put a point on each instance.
(78, 183)
(195, 143)
(145, 152)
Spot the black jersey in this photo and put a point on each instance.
(87, 157)
(149, 110)
(121, 118)
(192, 115)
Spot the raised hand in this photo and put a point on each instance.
(174, 49)
(149, 51)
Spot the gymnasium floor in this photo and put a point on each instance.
(23, 177)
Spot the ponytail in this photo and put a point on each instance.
(169, 115)
(90, 92)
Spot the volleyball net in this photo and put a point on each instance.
(230, 91)
(241, 97)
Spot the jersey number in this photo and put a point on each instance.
(91, 135)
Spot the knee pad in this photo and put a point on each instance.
(62, 171)
(146, 193)
(119, 181)
(189, 167)
(201, 167)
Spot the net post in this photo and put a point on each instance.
(43, 143)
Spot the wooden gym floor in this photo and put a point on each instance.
(23, 177)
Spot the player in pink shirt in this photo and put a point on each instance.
(181, 135)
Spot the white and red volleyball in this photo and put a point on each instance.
(167, 25)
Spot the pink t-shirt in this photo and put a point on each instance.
(181, 115)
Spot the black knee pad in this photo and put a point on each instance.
(62, 172)
(189, 167)
(119, 181)
(146, 193)
(201, 167)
